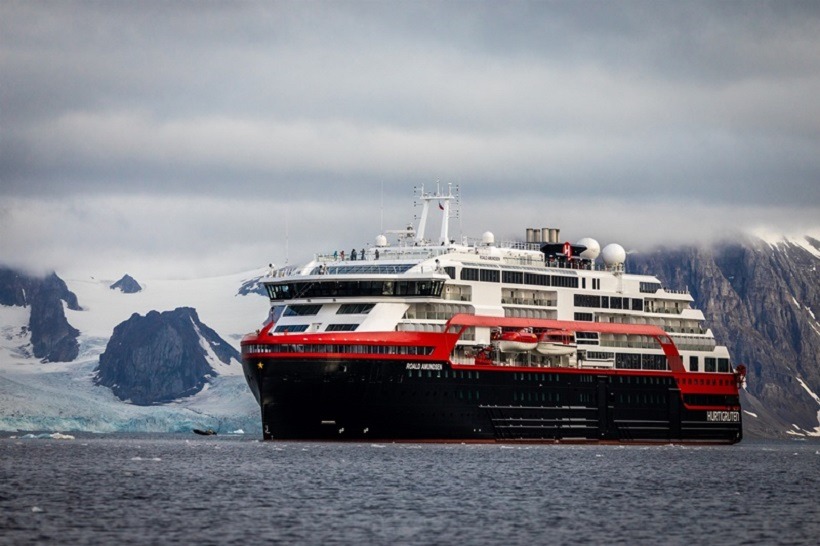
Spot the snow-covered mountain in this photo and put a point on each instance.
(43, 395)
(762, 298)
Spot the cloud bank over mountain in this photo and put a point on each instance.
(182, 139)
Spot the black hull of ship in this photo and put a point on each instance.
(394, 400)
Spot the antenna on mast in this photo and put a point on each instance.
(287, 234)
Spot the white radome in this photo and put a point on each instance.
(593, 248)
(381, 240)
(488, 238)
(613, 254)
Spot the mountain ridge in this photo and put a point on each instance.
(760, 297)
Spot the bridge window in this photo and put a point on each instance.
(301, 310)
(355, 288)
(355, 309)
(291, 328)
(341, 327)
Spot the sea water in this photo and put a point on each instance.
(116, 489)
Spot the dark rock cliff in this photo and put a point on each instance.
(127, 285)
(159, 358)
(53, 339)
(762, 302)
(252, 286)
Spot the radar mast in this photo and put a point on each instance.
(443, 200)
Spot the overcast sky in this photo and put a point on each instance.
(177, 139)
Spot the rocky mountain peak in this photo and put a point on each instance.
(161, 357)
(762, 301)
(127, 285)
(53, 339)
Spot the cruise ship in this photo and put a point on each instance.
(535, 340)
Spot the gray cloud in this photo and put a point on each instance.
(692, 113)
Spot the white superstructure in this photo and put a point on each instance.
(417, 284)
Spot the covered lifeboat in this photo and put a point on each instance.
(556, 343)
(515, 341)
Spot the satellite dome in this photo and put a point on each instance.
(613, 254)
(381, 240)
(488, 238)
(593, 248)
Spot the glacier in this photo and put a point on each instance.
(44, 396)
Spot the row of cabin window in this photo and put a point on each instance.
(638, 361)
(608, 302)
(546, 396)
(642, 399)
(446, 374)
(540, 377)
(337, 348)
(512, 277)
(724, 381)
(711, 400)
(710, 364)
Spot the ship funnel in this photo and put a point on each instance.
(534, 235)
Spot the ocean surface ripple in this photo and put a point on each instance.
(164, 489)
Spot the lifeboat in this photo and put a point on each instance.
(517, 341)
(556, 343)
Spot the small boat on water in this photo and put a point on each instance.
(556, 343)
(205, 432)
(515, 341)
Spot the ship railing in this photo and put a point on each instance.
(675, 290)
(385, 253)
(512, 245)
(570, 264)
(629, 344)
(462, 360)
(427, 315)
(527, 301)
(684, 331)
(695, 345)
(664, 311)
